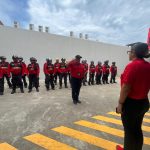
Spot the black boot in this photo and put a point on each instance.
(13, 91)
(22, 91)
(37, 89)
(1, 93)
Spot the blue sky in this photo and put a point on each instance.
(111, 21)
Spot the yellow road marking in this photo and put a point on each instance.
(116, 121)
(106, 129)
(115, 114)
(47, 143)
(6, 146)
(108, 145)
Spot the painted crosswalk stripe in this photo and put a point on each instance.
(106, 129)
(115, 114)
(116, 121)
(6, 146)
(47, 142)
(108, 145)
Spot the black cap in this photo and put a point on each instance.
(32, 59)
(21, 58)
(14, 57)
(63, 59)
(141, 50)
(78, 57)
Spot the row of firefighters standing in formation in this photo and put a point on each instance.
(17, 70)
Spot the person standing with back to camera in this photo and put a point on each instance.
(133, 101)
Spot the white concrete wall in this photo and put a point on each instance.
(44, 45)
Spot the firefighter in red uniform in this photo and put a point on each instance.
(56, 68)
(91, 73)
(106, 70)
(87, 67)
(49, 74)
(77, 75)
(25, 72)
(17, 71)
(99, 71)
(85, 70)
(1, 82)
(113, 70)
(33, 74)
(63, 73)
(5, 67)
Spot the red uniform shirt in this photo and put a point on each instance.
(25, 68)
(77, 69)
(5, 68)
(106, 69)
(92, 69)
(63, 68)
(33, 69)
(113, 70)
(16, 68)
(86, 67)
(1, 73)
(137, 75)
(48, 68)
(56, 67)
(99, 69)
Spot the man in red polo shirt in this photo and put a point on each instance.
(133, 101)
(77, 75)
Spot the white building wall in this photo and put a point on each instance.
(26, 43)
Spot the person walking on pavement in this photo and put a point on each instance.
(77, 75)
(133, 101)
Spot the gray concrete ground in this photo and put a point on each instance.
(29, 113)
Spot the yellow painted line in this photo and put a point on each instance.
(116, 121)
(6, 146)
(108, 145)
(106, 129)
(47, 143)
(115, 114)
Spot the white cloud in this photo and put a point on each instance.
(6, 7)
(115, 21)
